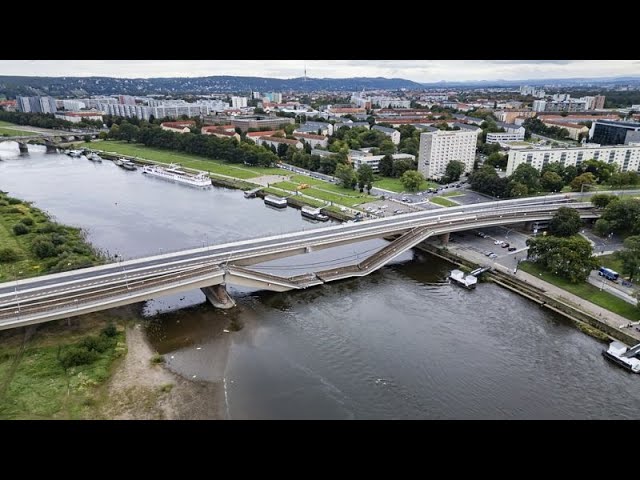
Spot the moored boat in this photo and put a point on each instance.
(94, 157)
(458, 277)
(173, 173)
(275, 201)
(624, 356)
(314, 213)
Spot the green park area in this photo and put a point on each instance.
(214, 167)
(394, 185)
(326, 191)
(587, 291)
(11, 130)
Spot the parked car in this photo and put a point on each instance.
(512, 249)
(504, 245)
(493, 255)
(497, 242)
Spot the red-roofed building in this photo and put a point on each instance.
(220, 132)
(254, 136)
(276, 141)
(314, 140)
(346, 110)
(573, 128)
(8, 105)
(178, 127)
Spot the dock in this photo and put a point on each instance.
(252, 193)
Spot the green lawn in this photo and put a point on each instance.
(186, 160)
(444, 202)
(586, 291)
(34, 384)
(10, 132)
(352, 200)
(394, 185)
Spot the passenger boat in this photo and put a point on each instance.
(624, 356)
(126, 164)
(313, 213)
(173, 173)
(274, 201)
(74, 153)
(94, 157)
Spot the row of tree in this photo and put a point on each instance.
(45, 120)
(553, 177)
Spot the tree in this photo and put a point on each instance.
(581, 180)
(401, 166)
(622, 216)
(369, 187)
(517, 189)
(565, 222)
(601, 200)
(551, 182)
(365, 176)
(570, 257)
(630, 256)
(497, 160)
(386, 166)
(103, 135)
(528, 176)
(87, 139)
(454, 169)
(412, 180)
(346, 175)
(282, 149)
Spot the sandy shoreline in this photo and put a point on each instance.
(141, 390)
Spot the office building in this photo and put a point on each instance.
(607, 132)
(238, 102)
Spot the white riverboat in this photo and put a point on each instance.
(458, 277)
(314, 214)
(274, 201)
(624, 356)
(174, 173)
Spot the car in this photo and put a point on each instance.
(457, 185)
(493, 255)
(497, 242)
(488, 254)
(397, 211)
(512, 249)
(480, 234)
(504, 244)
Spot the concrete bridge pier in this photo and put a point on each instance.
(23, 147)
(51, 148)
(444, 238)
(218, 296)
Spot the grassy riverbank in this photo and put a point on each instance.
(186, 160)
(56, 371)
(443, 201)
(586, 291)
(12, 130)
(31, 244)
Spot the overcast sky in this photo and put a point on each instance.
(417, 70)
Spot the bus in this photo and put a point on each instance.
(608, 274)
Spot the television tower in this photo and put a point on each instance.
(305, 71)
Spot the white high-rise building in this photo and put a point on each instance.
(439, 147)
(627, 157)
(238, 102)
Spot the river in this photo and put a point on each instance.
(398, 344)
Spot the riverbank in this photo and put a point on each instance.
(242, 177)
(32, 244)
(585, 315)
(72, 369)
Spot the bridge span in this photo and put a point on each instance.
(63, 295)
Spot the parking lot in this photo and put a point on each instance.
(492, 242)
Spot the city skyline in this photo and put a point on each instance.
(416, 70)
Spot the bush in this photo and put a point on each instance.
(13, 201)
(14, 210)
(3, 203)
(8, 255)
(97, 344)
(43, 248)
(157, 358)
(27, 221)
(20, 229)
(110, 330)
(76, 355)
(48, 228)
